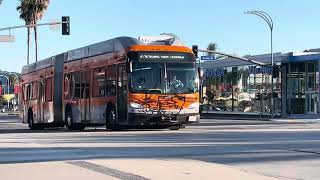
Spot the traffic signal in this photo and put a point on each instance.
(275, 72)
(65, 25)
(195, 50)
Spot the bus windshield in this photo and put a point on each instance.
(164, 78)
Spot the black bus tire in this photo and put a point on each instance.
(31, 123)
(69, 119)
(110, 116)
(30, 120)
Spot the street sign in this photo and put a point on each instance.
(207, 58)
(6, 38)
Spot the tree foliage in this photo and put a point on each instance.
(31, 11)
(212, 47)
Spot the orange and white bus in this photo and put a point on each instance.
(120, 83)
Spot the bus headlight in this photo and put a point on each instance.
(194, 106)
(135, 105)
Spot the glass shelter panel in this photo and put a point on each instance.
(242, 89)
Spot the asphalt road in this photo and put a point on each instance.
(276, 149)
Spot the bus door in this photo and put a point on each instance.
(85, 96)
(40, 101)
(122, 94)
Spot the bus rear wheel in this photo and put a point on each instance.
(69, 122)
(31, 123)
(111, 118)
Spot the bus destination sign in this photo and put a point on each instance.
(159, 57)
(162, 56)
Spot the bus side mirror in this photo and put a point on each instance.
(129, 67)
(200, 72)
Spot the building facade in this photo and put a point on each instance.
(231, 86)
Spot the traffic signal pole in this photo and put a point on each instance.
(30, 25)
(66, 22)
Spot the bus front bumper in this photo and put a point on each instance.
(162, 120)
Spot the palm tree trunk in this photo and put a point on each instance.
(36, 42)
(28, 42)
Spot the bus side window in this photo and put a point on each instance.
(48, 89)
(41, 91)
(29, 91)
(24, 91)
(77, 85)
(67, 86)
(85, 83)
(35, 90)
(122, 79)
(111, 80)
(98, 87)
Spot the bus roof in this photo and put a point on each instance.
(159, 48)
(119, 44)
(108, 46)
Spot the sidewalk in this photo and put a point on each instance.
(304, 118)
(294, 120)
(139, 169)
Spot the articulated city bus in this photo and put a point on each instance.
(120, 83)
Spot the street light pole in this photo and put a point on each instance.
(267, 18)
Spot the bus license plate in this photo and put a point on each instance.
(193, 118)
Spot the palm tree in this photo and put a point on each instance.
(40, 6)
(0, 1)
(31, 11)
(211, 47)
(25, 11)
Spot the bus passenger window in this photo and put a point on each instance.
(122, 79)
(33, 91)
(67, 86)
(85, 86)
(48, 89)
(26, 91)
(111, 81)
(29, 91)
(41, 91)
(98, 88)
(77, 85)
